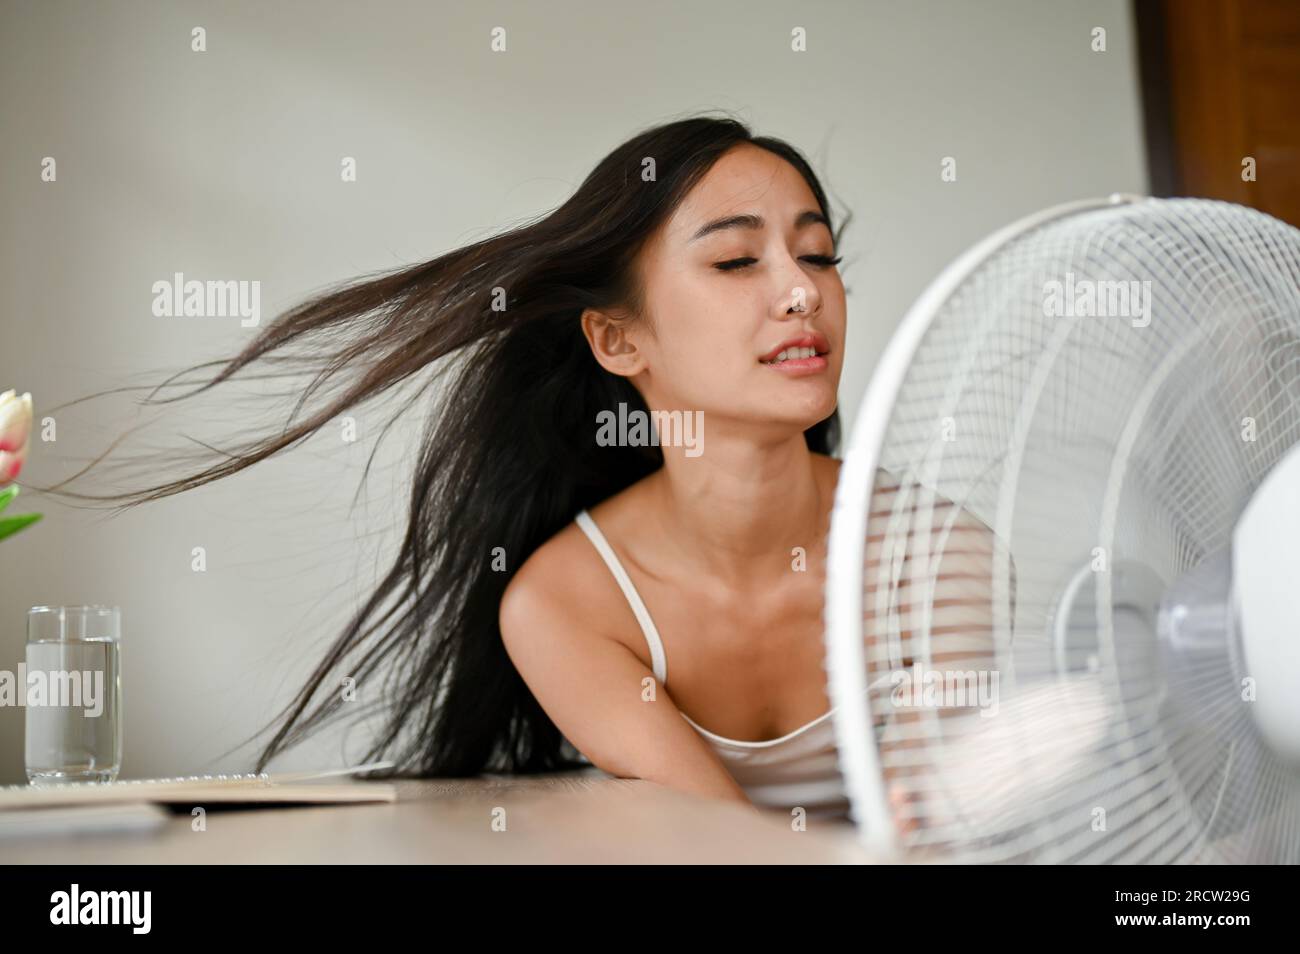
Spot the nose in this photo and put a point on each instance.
(799, 294)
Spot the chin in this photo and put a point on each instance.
(806, 411)
(811, 401)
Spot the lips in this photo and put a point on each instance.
(816, 342)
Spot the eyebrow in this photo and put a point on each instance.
(750, 220)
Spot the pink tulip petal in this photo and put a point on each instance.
(15, 436)
(10, 465)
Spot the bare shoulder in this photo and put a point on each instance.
(544, 587)
(557, 585)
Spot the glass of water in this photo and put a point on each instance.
(73, 694)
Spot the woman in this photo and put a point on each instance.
(694, 270)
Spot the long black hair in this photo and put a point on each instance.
(507, 459)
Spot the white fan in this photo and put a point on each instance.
(1065, 551)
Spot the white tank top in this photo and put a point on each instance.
(800, 768)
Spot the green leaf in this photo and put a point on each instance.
(11, 525)
(7, 495)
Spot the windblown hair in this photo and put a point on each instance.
(507, 459)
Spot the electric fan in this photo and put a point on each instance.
(1064, 564)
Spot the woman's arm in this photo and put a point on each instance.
(599, 694)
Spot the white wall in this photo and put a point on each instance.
(225, 165)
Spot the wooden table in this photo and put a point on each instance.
(577, 817)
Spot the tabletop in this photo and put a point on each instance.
(584, 817)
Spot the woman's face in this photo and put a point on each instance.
(736, 273)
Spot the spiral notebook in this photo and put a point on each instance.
(301, 788)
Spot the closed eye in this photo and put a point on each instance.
(822, 261)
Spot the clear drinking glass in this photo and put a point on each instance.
(74, 694)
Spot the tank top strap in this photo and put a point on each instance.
(658, 663)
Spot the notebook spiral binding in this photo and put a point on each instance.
(260, 777)
(255, 778)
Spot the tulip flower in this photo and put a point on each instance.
(15, 434)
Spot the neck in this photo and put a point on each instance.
(742, 507)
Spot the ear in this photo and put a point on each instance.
(611, 343)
